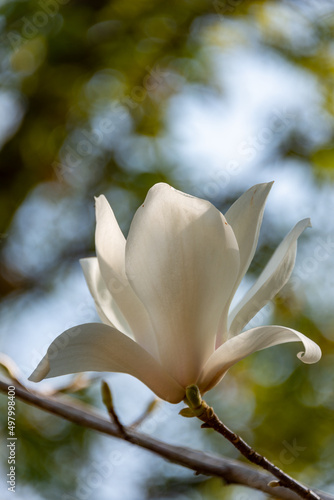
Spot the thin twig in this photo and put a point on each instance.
(232, 471)
(206, 414)
(108, 402)
(148, 411)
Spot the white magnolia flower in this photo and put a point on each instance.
(164, 294)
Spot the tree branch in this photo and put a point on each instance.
(200, 409)
(232, 471)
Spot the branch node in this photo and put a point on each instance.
(275, 484)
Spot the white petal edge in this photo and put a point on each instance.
(251, 341)
(245, 217)
(105, 304)
(110, 249)
(98, 347)
(182, 259)
(274, 276)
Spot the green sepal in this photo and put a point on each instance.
(193, 396)
(187, 412)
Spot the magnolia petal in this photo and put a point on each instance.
(182, 260)
(110, 249)
(104, 302)
(248, 342)
(245, 217)
(98, 347)
(271, 280)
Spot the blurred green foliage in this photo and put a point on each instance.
(50, 451)
(90, 83)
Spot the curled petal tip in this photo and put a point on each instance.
(305, 222)
(256, 339)
(312, 355)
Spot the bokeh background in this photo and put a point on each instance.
(211, 96)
